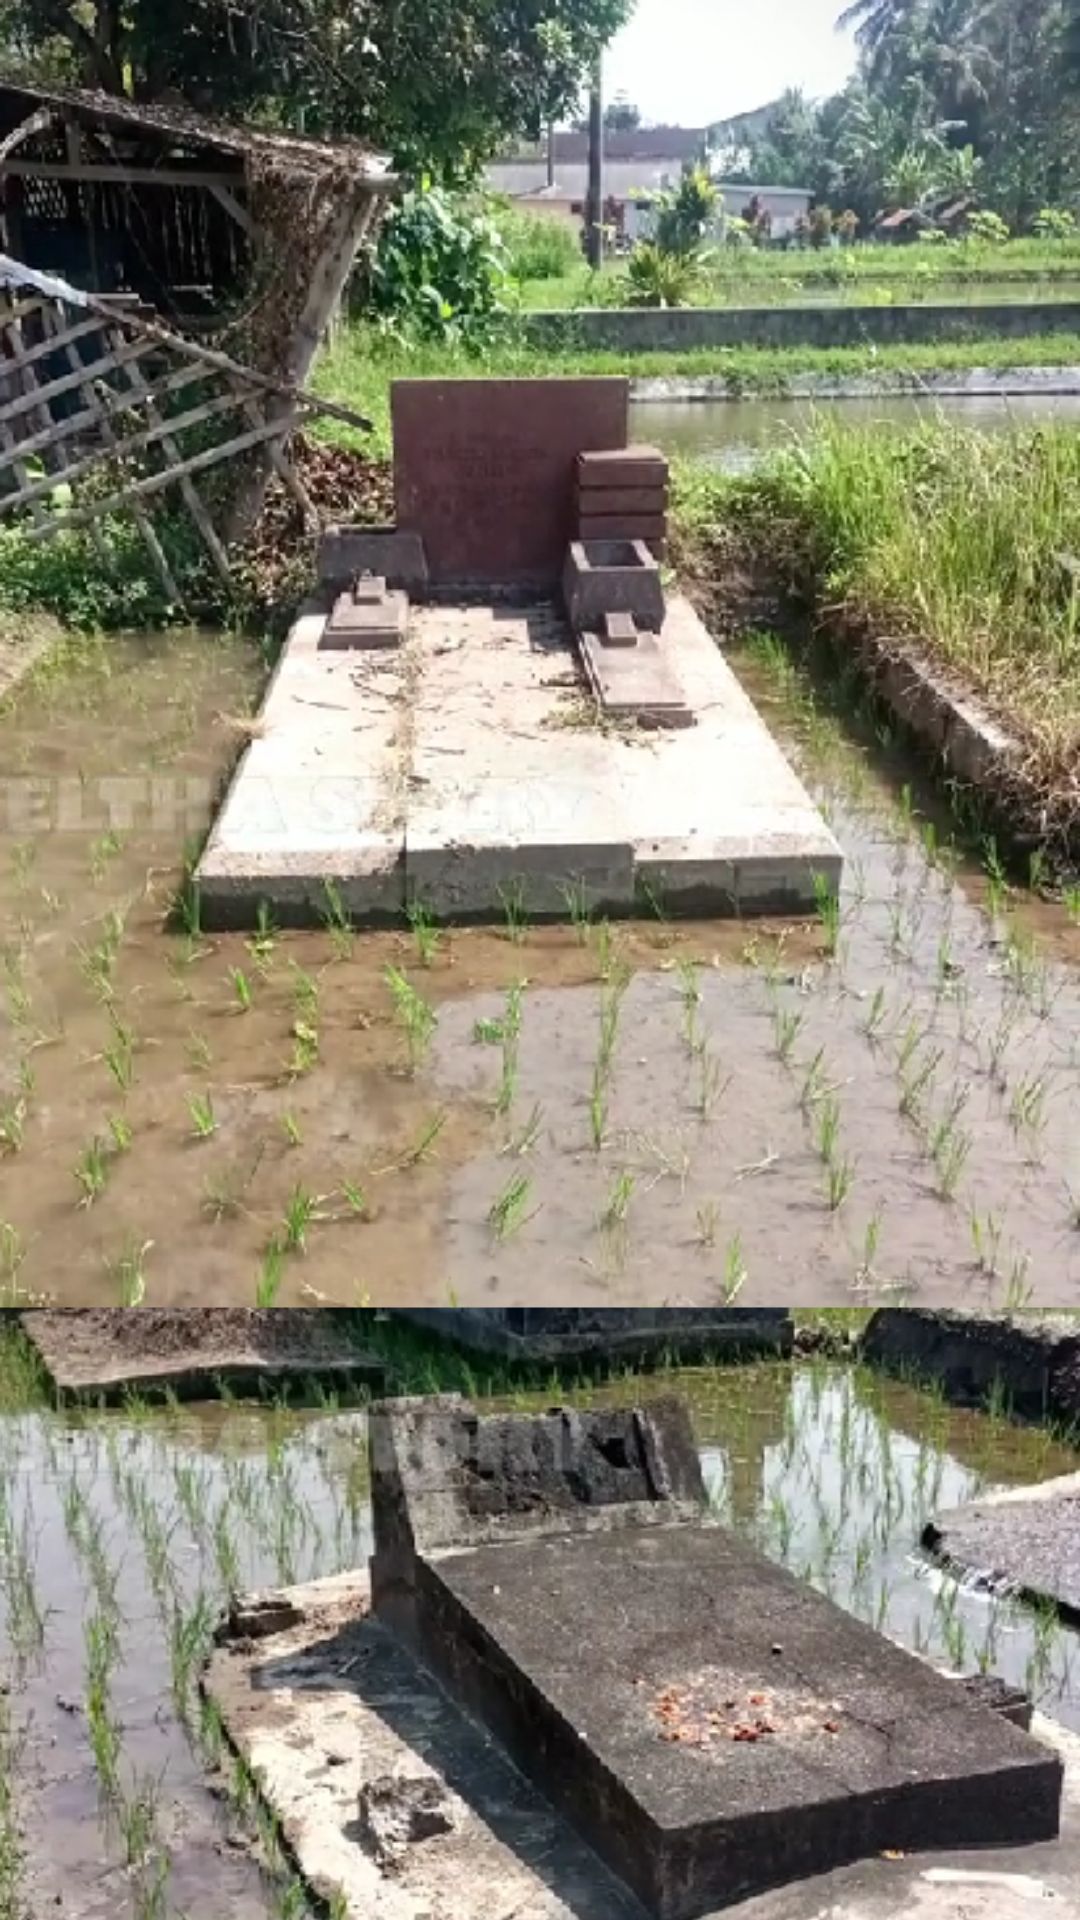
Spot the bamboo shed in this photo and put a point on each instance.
(209, 253)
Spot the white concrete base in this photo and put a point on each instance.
(469, 770)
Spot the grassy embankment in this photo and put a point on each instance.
(958, 270)
(359, 368)
(960, 545)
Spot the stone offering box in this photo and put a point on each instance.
(711, 1726)
(602, 577)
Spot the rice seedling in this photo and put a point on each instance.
(511, 1035)
(271, 1274)
(815, 1082)
(120, 1132)
(1027, 1108)
(424, 931)
(12, 1123)
(262, 942)
(204, 1123)
(126, 1272)
(735, 1273)
(575, 895)
(119, 1055)
(299, 1214)
(305, 993)
(512, 900)
(707, 1222)
(199, 1053)
(305, 1049)
(291, 1128)
(950, 1147)
(509, 1211)
(416, 1017)
(875, 1014)
(839, 1177)
(1018, 1289)
(598, 1109)
(423, 1147)
(986, 1230)
(617, 1206)
(241, 989)
(355, 1197)
(787, 1026)
(690, 996)
(336, 920)
(523, 1142)
(713, 1083)
(827, 908)
(91, 1171)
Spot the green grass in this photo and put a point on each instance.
(960, 540)
(359, 368)
(741, 276)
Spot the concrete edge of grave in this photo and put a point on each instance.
(1031, 1358)
(245, 1374)
(971, 383)
(945, 1538)
(701, 1334)
(296, 1738)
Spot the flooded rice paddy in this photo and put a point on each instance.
(882, 1104)
(123, 1534)
(734, 434)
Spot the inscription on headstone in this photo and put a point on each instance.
(485, 470)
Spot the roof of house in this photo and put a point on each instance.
(289, 152)
(634, 143)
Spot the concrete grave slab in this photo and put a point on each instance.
(105, 1353)
(1025, 1540)
(318, 793)
(712, 1726)
(635, 466)
(484, 470)
(617, 1335)
(331, 1706)
(444, 1476)
(464, 769)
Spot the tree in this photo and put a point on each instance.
(437, 83)
(621, 115)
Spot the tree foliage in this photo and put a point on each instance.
(437, 83)
(976, 97)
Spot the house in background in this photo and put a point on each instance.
(640, 160)
(638, 164)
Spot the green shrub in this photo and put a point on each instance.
(1055, 223)
(657, 277)
(440, 268)
(538, 247)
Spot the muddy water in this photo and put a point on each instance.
(151, 1520)
(733, 434)
(686, 1113)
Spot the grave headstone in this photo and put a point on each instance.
(485, 471)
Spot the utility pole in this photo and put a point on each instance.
(551, 153)
(594, 237)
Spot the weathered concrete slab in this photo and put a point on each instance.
(634, 682)
(509, 798)
(331, 1704)
(613, 573)
(464, 769)
(484, 469)
(345, 552)
(1025, 1540)
(619, 1335)
(633, 1676)
(317, 795)
(102, 1353)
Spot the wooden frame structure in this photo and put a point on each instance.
(102, 411)
(164, 288)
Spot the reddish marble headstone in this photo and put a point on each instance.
(485, 470)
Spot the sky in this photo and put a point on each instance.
(690, 62)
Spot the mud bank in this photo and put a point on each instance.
(1030, 1361)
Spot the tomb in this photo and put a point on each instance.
(455, 714)
(709, 1724)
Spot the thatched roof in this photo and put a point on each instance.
(287, 153)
